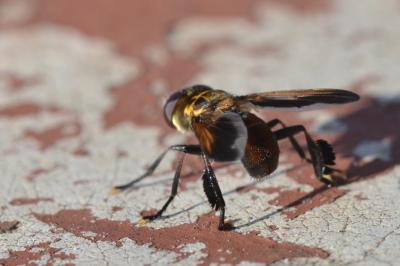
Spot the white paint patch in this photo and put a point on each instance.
(156, 54)
(196, 253)
(353, 231)
(371, 150)
(336, 49)
(16, 11)
(77, 73)
(193, 247)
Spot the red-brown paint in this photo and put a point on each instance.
(295, 202)
(16, 83)
(321, 198)
(360, 197)
(81, 152)
(25, 109)
(116, 208)
(8, 226)
(273, 227)
(233, 247)
(31, 253)
(48, 137)
(29, 201)
(134, 26)
(129, 98)
(35, 173)
(304, 7)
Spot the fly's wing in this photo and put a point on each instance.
(262, 151)
(300, 98)
(222, 137)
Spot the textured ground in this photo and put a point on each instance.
(81, 91)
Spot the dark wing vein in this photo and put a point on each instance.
(300, 98)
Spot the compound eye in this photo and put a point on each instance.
(169, 106)
(200, 102)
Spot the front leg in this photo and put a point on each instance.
(186, 149)
(174, 191)
(213, 192)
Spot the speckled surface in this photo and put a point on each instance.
(81, 93)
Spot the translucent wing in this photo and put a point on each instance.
(222, 137)
(299, 98)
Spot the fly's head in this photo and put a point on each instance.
(183, 105)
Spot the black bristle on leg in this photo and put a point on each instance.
(213, 192)
(209, 191)
(321, 153)
(328, 155)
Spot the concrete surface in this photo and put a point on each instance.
(81, 92)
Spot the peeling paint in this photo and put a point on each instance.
(236, 246)
(36, 253)
(80, 111)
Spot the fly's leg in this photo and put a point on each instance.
(174, 190)
(321, 154)
(213, 192)
(187, 149)
(292, 140)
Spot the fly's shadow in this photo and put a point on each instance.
(376, 121)
(247, 186)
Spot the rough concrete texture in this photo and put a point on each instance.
(81, 93)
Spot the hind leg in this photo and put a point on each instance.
(292, 140)
(320, 151)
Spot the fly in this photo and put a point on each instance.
(228, 130)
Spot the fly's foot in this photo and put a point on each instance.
(150, 216)
(226, 225)
(142, 221)
(114, 191)
(332, 176)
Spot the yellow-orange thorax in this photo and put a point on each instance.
(196, 102)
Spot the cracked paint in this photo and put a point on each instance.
(81, 94)
(39, 252)
(236, 246)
